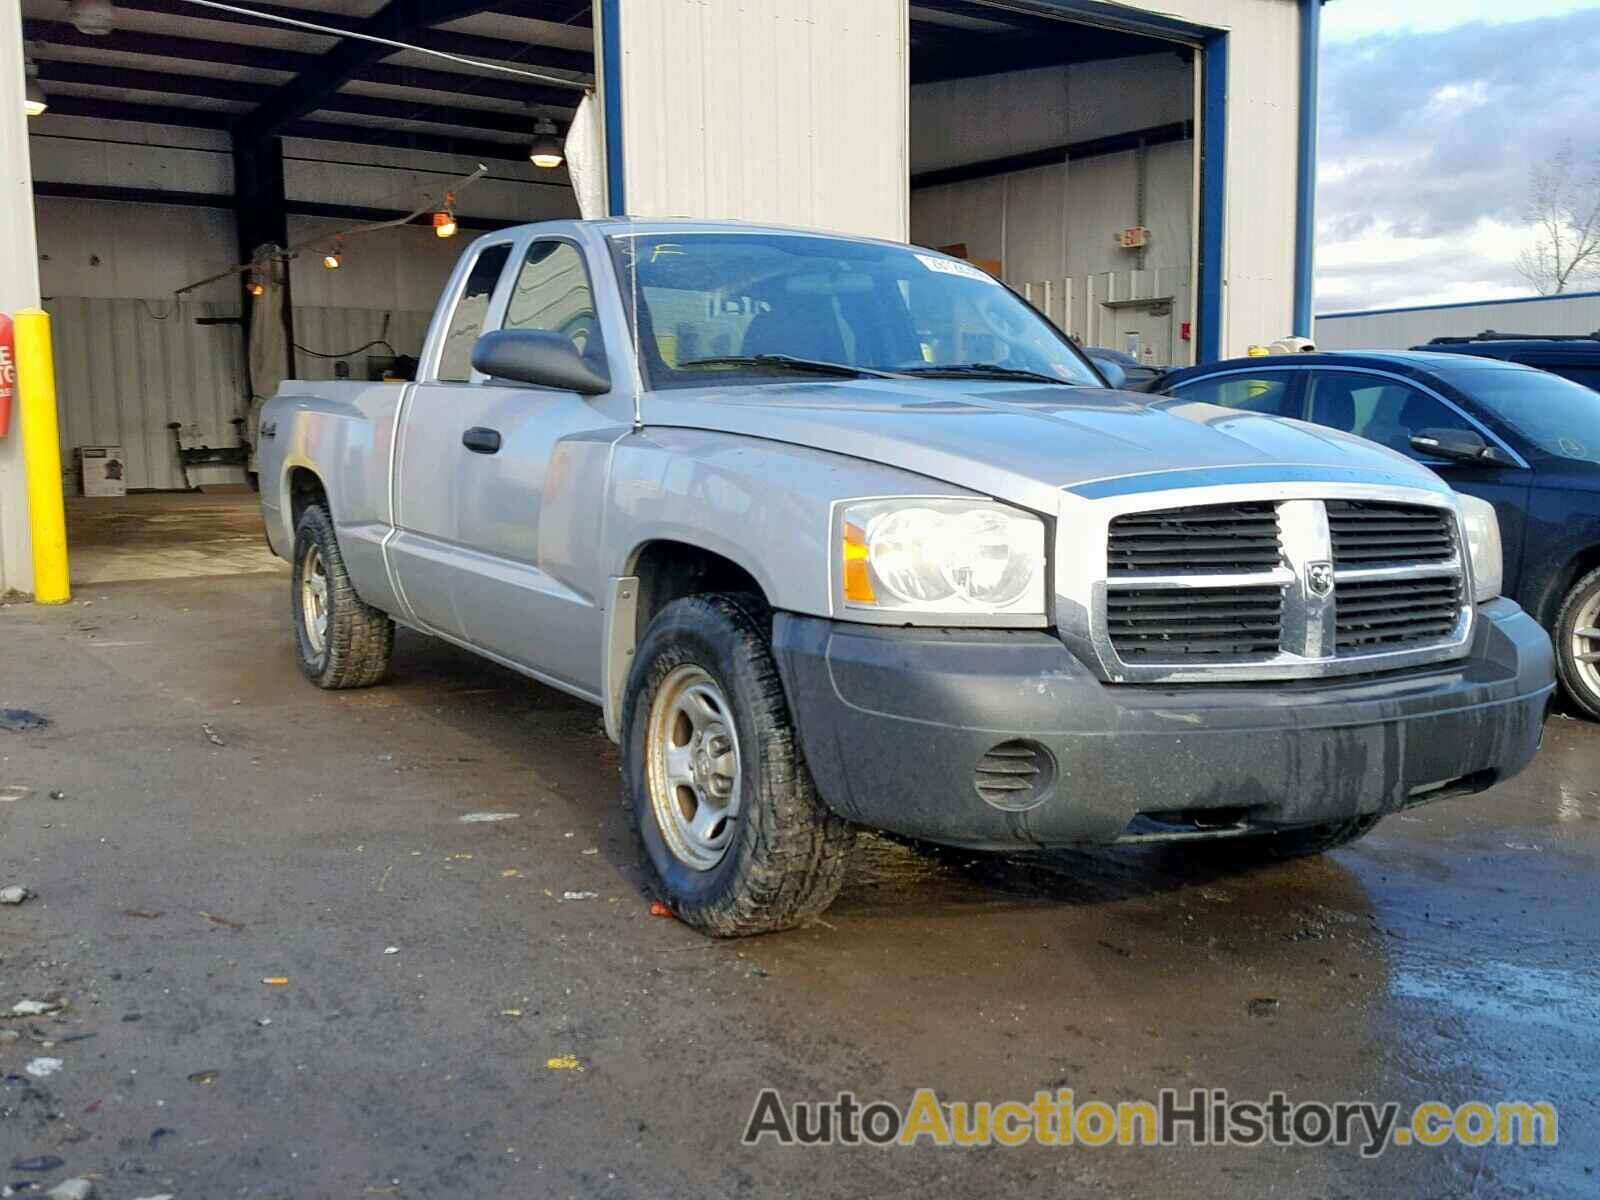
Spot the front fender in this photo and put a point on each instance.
(764, 505)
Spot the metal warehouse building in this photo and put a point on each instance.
(1143, 172)
(1402, 328)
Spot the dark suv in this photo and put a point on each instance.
(1524, 440)
(1571, 356)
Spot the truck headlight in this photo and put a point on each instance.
(1483, 547)
(958, 557)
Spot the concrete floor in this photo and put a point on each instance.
(196, 819)
(166, 535)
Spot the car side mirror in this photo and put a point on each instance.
(1458, 445)
(1116, 377)
(539, 357)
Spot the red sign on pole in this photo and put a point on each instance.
(8, 372)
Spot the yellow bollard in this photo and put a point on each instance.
(41, 455)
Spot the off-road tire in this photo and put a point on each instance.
(360, 639)
(788, 855)
(1580, 691)
(1290, 843)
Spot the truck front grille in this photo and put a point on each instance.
(1221, 538)
(1386, 614)
(1371, 535)
(1194, 623)
(1280, 588)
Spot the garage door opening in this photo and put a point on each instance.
(178, 143)
(1062, 157)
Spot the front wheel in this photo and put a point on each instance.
(1577, 641)
(732, 829)
(341, 641)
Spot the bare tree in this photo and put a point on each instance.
(1564, 208)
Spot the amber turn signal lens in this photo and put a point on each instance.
(857, 579)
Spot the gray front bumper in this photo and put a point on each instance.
(893, 722)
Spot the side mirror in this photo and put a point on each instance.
(539, 357)
(1116, 377)
(1458, 445)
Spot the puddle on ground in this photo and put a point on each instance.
(1543, 996)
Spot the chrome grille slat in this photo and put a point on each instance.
(1285, 587)
(1372, 533)
(1196, 622)
(1239, 537)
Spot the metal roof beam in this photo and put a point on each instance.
(161, 45)
(398, 139)
(166, 82)
(401, 20)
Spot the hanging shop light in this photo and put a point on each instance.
(36, 101)
(334, 258)
(444, 221)
(93, 17)
(253, 284)
(547, 151)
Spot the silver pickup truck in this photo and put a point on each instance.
(842, 533)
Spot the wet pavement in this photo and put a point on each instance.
(196, 819)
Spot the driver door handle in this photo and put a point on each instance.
(481, 441)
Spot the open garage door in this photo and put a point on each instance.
(1062, 157)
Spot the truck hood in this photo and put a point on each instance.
(1023, 444)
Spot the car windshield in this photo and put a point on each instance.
(773, 307)
(1560, 417)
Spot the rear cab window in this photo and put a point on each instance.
(471, 309)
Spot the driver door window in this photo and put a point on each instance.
(1380, 409)
(552, 293)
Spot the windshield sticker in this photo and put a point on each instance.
(950, 266)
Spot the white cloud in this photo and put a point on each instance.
(1351, 19)
(1383, 267)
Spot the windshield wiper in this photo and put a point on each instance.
(788, 362)
(983, 371)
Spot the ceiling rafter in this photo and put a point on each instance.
(400, 20)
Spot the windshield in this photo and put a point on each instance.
(773, 307)
(1558, 416)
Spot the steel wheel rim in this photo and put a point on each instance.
(314, 599)
(692, 755)
(1586, 644)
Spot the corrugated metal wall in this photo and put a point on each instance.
(1402, 328)
(324, 334)
(126, 368)
(791, 111)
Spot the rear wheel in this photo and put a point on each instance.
(731, 827)
(1303, 842)
(1577, 641)
(341, 641)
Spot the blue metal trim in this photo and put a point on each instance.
(1384, 312)
(1305, 242)
(1119, 16)
(1179, 479)
(611, 68)
(1213, 195)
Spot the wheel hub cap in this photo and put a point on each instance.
(314, 600)
(692, 754)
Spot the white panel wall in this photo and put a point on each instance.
(1400, 329)
(125, 368)
(107, 249)
(790, 111)
(1263, 148)
(19, 288)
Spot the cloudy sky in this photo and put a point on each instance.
(1433, 112)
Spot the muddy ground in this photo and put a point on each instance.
(197, 819)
